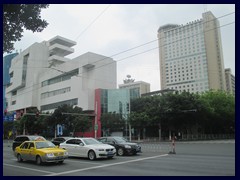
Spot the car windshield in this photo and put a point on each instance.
(120, 140)
(44, 144)
(37, 138)
(91, 141)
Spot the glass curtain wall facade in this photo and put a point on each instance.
(7, 60)
(115, 100)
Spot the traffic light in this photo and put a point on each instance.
(127, 106)
(5, 112)
(37, 114)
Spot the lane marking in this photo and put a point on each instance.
(79, 161)
(49, 172)
(71, 160)
(106, 165)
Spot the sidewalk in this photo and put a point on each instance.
(7, 143)
(144, 141)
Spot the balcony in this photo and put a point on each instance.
(62, 41)
(60, 50)
(57, 59)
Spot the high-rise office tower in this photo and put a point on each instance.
(191, 56)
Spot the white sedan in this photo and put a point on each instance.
(88, 147)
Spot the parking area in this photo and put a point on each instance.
(192, 158)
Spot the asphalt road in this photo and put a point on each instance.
(200, 158)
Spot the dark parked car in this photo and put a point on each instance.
(123, 147)
(20, 139)
(59, 140)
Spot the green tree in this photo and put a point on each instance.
(58, 117)
(17, 126)
(111, 122)
(7, 127)
(168, 112)
(72, 118)
(210, 112)
(181, 109)
(82, 124)
(139, 120)
(19, 16)
(221, 115)
(30, 123)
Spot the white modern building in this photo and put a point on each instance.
(42, 77)
(136, 89)
(191, 56)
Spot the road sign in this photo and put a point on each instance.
(8, 117)
(11, 118)
(5, 118)
(59, 129)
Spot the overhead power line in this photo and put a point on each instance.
(127, 50)
(149, 42)
(130, 49)
(125, 58)
(129, 57)
(92, 22)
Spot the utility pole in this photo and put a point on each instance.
(24, 128)
(55, 131)
(95, 124)
(129, 111)
(159, 131)
(129, 124)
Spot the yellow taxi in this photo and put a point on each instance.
(40, 151)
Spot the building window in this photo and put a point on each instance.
(61, 78)
(11, 74)
(24, 71)
(56, 92)
(70, 102)
(14, 93)
(13, 102)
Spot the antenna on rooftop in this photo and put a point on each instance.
(128, 80)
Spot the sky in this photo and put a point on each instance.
(109, 29)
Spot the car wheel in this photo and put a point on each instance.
(19, 158)
(120, 152)
(91, 155)
(134, 153)
(38, 160)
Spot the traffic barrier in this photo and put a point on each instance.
(173, 147)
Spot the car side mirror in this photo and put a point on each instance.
(81, 144)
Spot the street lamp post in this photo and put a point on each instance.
(160, 131)
(129, 124)
(24, 128)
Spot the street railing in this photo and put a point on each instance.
(187, 137)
